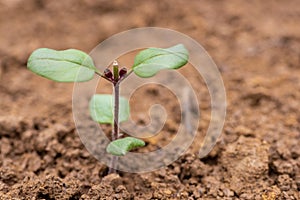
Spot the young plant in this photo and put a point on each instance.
(76, 66)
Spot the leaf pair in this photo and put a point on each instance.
(76, 66)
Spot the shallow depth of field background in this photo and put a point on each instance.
(256, 46)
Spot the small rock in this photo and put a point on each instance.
(11, 125)
(284, 182)
(247, 196)
(228, 193)
(220, 193)
(5, 146)
(8, 176)
(283, 150)
(120, 188)
(283, 167)
(31, 162)
(184, 194)
(242, 130)
(297, 179)
(168, 192)
(272, 193)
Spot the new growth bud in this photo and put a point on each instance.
(115, 63)
(108, 74)
(122, 72)
(116, 70)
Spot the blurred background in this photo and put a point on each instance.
(256, 45)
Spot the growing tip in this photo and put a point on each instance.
(115, 63)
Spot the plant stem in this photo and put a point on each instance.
(115, 134)
(112, 169)
(101, 75)
(116, 87)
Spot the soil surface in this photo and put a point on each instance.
(256, 45)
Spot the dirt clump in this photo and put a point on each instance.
(256, 46)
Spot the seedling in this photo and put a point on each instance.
(76, 66)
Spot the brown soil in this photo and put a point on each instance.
(256, 45)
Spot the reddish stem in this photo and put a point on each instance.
(115, 134)
(116, 86)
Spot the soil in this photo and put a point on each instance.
(256, 45)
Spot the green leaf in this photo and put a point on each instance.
(150, 61)
(121, 146)
(101, 108)
(62, 66)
